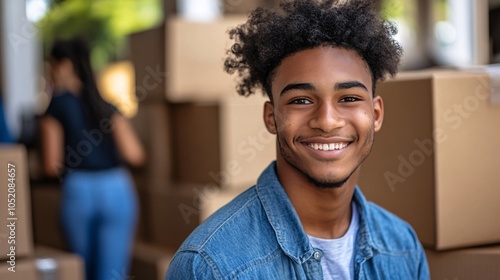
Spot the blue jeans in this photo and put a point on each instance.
(99, 213)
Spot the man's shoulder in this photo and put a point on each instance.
(390, 232)
(382, 215)
(234, 238)
(239, 218)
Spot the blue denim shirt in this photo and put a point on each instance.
(258, 235)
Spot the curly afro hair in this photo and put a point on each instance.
(270, 35)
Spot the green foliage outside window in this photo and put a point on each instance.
(103, 23)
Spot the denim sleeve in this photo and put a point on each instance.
(188, 265)
(423, 267)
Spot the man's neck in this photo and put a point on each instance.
(324, 212)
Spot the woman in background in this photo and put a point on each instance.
(85, 142)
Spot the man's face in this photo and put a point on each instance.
(324, 114)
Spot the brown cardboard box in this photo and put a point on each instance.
(47, 263)
(172, 215)
(152, 124)
(147, 51)
(15, 215)
(169, 7)
(195, 59)
(246, 6)
(435, 161)
(174, 212)
(225, 143)
(150, 262)
(47, 228)
(466, 264)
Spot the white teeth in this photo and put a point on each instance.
(328, 147)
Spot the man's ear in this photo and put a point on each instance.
(378, 112)
(269, 117)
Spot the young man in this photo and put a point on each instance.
(318, 61)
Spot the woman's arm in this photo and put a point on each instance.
(52, 146)
(126, 141)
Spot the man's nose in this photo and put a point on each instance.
(327, 118)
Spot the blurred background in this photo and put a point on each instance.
(160, 63)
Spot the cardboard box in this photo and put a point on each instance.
(225, 143)
(47, 263)
(47, 228)
(195, 59)
(16, 239)
(169, 7)
(147, 53)
(245, 7)
(469, 264)
(150, 262)
(152, 124)
(173, 213)
(435, 161)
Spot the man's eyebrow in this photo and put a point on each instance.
(349, 84)
(299, 86)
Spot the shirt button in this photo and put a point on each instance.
(317, 255)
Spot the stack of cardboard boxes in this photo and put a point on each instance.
(435, 164)
(20, 259)
(205, 144)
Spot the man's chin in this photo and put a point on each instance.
(328, 184)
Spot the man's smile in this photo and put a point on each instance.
(328, 147)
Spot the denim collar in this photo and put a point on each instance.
(287, 226)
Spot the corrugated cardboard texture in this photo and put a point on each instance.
(469, 264)
(195, 59)
(435, 162)
(15, 155)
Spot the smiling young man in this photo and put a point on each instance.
(318, 61)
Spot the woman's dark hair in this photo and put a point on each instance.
(77, 52)
(270, 35)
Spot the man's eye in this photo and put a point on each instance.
(300, 101)
(349, 99)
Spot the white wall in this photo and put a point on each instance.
(20, 60)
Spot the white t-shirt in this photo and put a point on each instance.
(337, 261)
